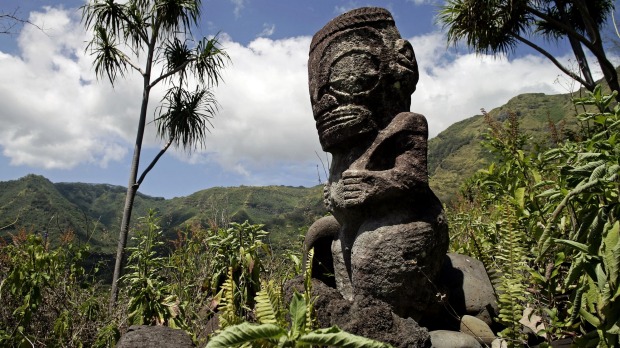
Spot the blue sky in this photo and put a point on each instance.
(58, 120)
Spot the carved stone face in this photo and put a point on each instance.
(359, 81)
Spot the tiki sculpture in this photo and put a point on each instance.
(389, 231)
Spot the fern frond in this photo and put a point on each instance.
(227, 307)
(268, 304)
(308, 291)
(512, 285)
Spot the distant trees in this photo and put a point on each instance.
(498, 26)
(159, 32)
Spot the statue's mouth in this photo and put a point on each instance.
(342, 117)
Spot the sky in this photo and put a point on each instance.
(58, 120)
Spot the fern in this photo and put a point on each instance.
(228, 310)
(511, 287)
(268, 304)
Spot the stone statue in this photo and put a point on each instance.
(389, 232)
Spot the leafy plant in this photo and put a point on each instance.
(236, 251)
(47, 296)
(151, 301)
(297, 335)
(566, 198)
(584, 218)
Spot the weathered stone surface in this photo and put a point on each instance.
(364, 316)
(452, 339)
(463, 288)
(143, 336)
(374, 319)
(392, 233)
(470, 289)
(341, 273)
(477, 329)
(320, 236)
(499, 343)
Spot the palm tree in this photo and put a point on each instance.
(160, 31)
(497, 26)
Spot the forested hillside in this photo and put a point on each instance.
(94, 211)
(456, 153)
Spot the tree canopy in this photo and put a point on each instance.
(498, 26)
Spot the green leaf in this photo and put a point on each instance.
(520, 197)
(611, 253)
(245, 332)
(596, 322)
(335, 337)
(588, 167)
(598, 172)
(298, 315)
(579, 246)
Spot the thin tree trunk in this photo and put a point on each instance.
(553, 60)
(583, 63)
(132, 189)
(609, 70)
(122, 239)
(133, 185)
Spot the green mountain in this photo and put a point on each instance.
(93, 211)
(456, 153)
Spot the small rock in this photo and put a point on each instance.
(477, 329)
(144, 336)
(452, 339)
(499, 343)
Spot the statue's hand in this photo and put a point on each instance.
(357, 187)
(327, 199)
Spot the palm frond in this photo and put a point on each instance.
(176, 56)
(109, 60)
(104, 13)
(209, 61)
(177, 15)
(184, 116)
(486, 26)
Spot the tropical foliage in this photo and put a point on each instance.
(47, 296)
(545, 223)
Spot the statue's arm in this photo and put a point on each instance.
(407, 174)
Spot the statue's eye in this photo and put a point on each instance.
(354, 73)
(406, 50)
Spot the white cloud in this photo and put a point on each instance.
(424, 2)
(239, 5)
(268, 30)
(55, 114)
(265, 115)
(453, 87)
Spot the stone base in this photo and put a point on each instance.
(363, 316)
